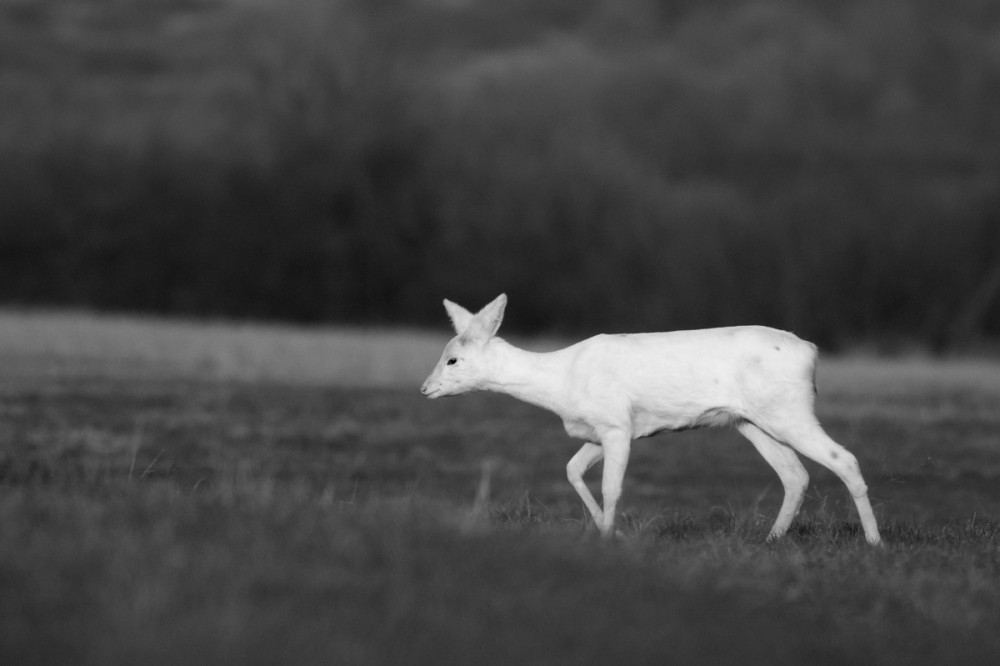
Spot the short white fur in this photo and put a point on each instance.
(612, 389)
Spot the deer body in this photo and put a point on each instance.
(611, 389)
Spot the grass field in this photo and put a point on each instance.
(190, 493)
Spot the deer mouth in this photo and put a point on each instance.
(431, 392)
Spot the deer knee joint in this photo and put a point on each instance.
(573, 473)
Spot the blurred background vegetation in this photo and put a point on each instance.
(830, 168)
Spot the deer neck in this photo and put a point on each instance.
(536, 378)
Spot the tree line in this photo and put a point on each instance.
(610, 165)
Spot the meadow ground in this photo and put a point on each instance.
(214, 493)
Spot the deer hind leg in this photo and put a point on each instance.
(793, 475)
(585, 458)
(807, 437)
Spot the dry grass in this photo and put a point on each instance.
(77, 342)
(69, 342)
(175, 492)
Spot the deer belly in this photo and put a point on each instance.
(648, 424)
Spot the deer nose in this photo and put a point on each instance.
(429, 388)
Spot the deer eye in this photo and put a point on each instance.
(452, 361)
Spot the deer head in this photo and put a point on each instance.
(465, 364)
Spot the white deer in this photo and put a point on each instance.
(611, 389)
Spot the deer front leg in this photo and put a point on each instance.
(616, 449)
(584, 459)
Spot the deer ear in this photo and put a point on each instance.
(487, 321)
(460, 317)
